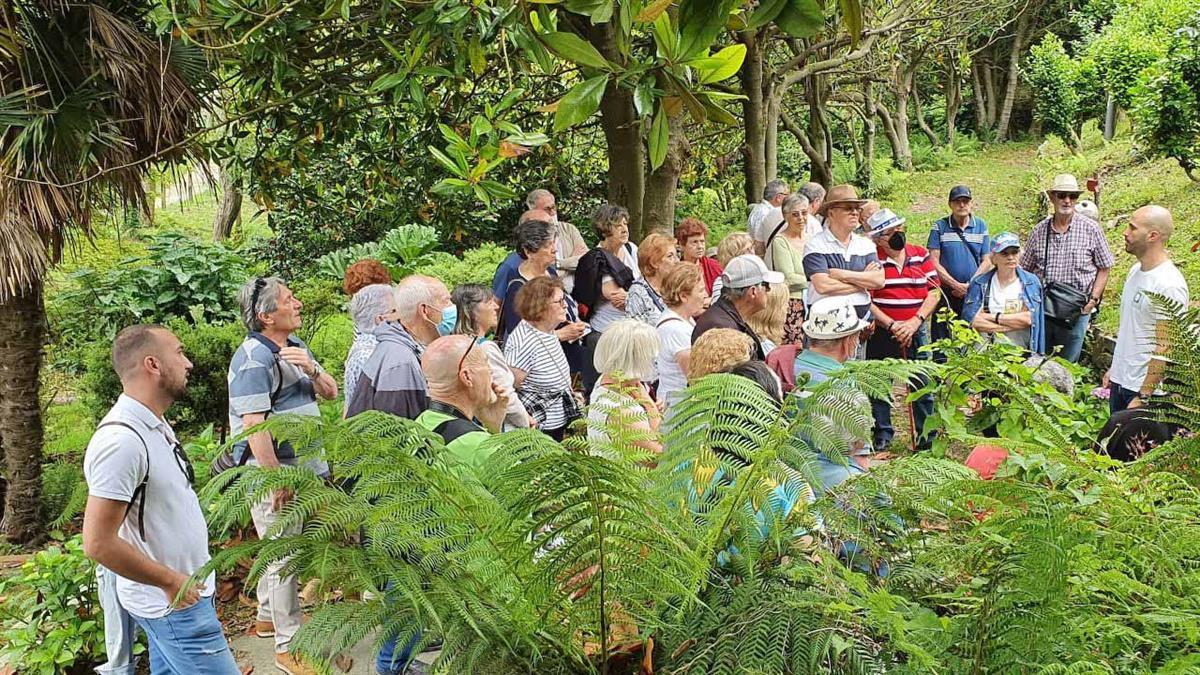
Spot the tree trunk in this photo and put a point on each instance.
(866, 173)
(1024, 25)
(658, 206)
(981, 122)
(953, 97)
(893, 136)
(228, 210)
(754, 117)
(922, 124)
(22, 322)
(774, 94)
(820, 170)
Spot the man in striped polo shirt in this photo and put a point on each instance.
(959, 245)
(901, 308)
(839, 262)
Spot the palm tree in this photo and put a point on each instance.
(89, 97)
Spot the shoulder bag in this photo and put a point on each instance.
(1060, 302)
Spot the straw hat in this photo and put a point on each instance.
(1065, 182)
(840, 195)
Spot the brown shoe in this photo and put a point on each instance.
(292, 665)
(264, 629)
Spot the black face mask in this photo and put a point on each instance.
(896, 241)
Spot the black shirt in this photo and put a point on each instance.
(722, 314)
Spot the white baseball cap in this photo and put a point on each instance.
(749, 270)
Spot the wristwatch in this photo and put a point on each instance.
(998, 317)
(317, 370)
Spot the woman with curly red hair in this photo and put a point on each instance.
(364, 273)
(692, 236)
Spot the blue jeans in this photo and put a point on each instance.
(120, 629)
(881, 410)
(1069, 337)
(1119, 397)
(388, 662)
(189, 641)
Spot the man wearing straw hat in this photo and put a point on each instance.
(1068, 252)
(839, 262)
(910, 294)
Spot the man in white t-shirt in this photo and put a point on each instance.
(143, 520)
(1138, 363)
(773, 195)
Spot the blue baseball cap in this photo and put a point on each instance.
(960, 192)
(1005, 241)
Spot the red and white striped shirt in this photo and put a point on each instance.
(905, 287)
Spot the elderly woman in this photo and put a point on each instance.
(1005, 303)
(625, 358)
(733, 245)
(717, 351)
(692, 236)
(785, 254)
(536, 244)
(685, 295)
(540, 372)
(768, 322)
(478, 315)
(644, 301)
(606, 273)
(363, 273)
(369, 307)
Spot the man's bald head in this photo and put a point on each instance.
(440, 363)
(133, 344)
(532, 214)
(1155, 219)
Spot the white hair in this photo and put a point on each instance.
(256, 297)
(414, 291)
(629, 347)
(368, 303)
(534, 195)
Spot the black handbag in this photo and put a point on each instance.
(1060, 302)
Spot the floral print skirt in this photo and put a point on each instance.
(793, 325)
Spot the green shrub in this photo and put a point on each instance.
(474, 266)
(1167, 102)
(1057, 79)
(209, 347)
(403, 249)
(68, 428)
(64, 492)
(330, 343)
(714, 210)
(51, 621)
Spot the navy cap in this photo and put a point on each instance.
(959, 192)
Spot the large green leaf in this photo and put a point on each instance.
(659, 138)
(700, 22)
(852, 17)
(766, 12)
(576, 50)
(801, 18)
(719, 66)
(580, 103)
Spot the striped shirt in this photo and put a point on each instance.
(962, 249)
(548, 377)
(824, 252)
(1075, 255)
(906, 286)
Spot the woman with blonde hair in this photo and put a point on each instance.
(717, 351)
(769, 322)
(684, 292)
(644, 301)
(625, 358)
(733, 245)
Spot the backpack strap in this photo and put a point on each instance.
(667, 320)
(140, 490)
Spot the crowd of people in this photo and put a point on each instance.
(612, 332)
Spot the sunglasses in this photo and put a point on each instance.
(259, 284)
(467, 353)
(181, 460)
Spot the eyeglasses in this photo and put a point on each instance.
(849, 209)
(796, 214)
(468, 352)
(1066, 195)
(561, 301)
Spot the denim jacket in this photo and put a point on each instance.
(1031, 292)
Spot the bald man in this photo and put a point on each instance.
(569, 243)
(462, 397)
(1138, 363)
(144, 525)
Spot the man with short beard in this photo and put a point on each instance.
(143, 521)
(1138, 363)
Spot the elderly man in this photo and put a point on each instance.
(391, 379)
(756, 225)
(1068, 252)
(146, 528)
(901, 308)
(869, 209)
(745, 285)
(570, 244)
(274, 373)
(1138, 364)
(958, 246)
(839, 262)
(815, 194)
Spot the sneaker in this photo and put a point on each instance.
(264, 629)
(292, 665)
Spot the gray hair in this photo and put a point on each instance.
(774, 188)
(257, 297)
(414, 291)
(813, 191)
(732, 293)
(532, 235)
(628, 346)
(792, 201)
(467, 298)
(534, 195)
(368, 303)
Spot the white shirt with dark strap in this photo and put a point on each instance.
(115, 464)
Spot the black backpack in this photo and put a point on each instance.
(140, 490)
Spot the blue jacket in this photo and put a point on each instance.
(1031, 292)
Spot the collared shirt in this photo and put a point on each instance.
(754, 224)
(115, 464)
(905, 287)
(1076, 256)
(818, 367)
(962, 248)
(261, 382)
(824, 252)
(722, 314)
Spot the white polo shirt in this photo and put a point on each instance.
(176, 534)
